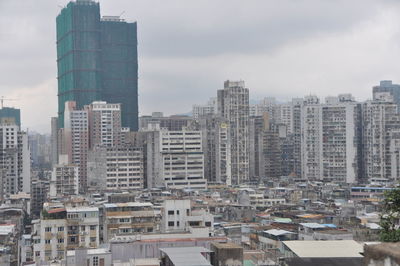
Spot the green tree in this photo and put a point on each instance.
(390, 231)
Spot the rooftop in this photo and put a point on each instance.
(325, 249)
(187, 256)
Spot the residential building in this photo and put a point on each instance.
(392, 89)
(210, 108)
(381, 122)
(75, 139)
(233, 105)
(64, 179)
(116, 168)
(105, 124)
(63, 228)
(130, 218)
(15, 162)
(179, 215)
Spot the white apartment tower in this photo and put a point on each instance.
(15, 163)
(105, 124)
(76, 139)
(233, 106)
(380, 138)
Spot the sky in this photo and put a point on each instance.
(281, 49)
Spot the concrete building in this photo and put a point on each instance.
(226, 254)
(331, 139)
(175, 159)
(15, 162)
(64, 228)
(210, 108)
(389, 87)
(180, 216)
(233, 105)
(130, 218)
(54, 140)
(116, 168)
(104, 124)
(216, 148)
(173, 122)
(39, 192)
(89, 257)
(64, 179)
(75, 139)
(380, 124)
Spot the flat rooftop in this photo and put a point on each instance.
(325, 249)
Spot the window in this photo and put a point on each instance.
(92, 227)
(95, 261)
(60, 240)
(60, 229)
(60, 254)
(47, 241)
(37, 254)
(177, 212)
(170, 212)
(83, 228)
(47, 229)
(208, 224)
(171, 223)
(92, 239)
(177, 223)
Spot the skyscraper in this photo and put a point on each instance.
(96, 60)
(233, 105)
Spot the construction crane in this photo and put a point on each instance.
(2, 99)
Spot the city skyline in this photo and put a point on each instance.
(167, 42)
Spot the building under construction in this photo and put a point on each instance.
(97, 60)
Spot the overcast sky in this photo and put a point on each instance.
(187, 49)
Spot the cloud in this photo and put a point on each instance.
(188, 48)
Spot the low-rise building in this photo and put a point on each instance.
(128, 218)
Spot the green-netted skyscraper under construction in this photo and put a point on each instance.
(96, 60)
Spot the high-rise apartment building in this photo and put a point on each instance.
(104, 124)
(388, 86)
(381, 123)
(116, 168)
(64, 179)
(331, 139)
(9, 114)
(15, 161)
(233, 105)
(75, 138)
(96, 60)
(216, 148)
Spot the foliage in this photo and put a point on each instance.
(390, 231)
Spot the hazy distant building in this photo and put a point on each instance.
(210, 108)
(233, 105)
(388, 86)
(216, 148)
(96, 60)
(54, 140)
(157, 120)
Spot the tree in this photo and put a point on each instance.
(390, 231)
